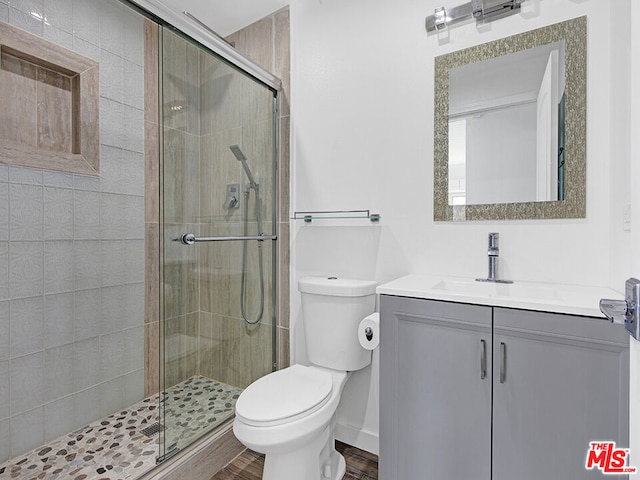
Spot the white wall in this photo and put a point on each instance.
(362, 122)
(501, 155)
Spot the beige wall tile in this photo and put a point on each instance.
(55, 115)
(151, 172)
(18, 119)
(180, 283)
(215, 278)
(236, 353)
(192, 89)
(218, 168)
(151, 72)
(284, 260)
(220, 96)
(211, 362)
(180, 339)
(173, 176)
(86, 138)
(282, 56)
(283, 348)
(284, 170)
(151, 358)
(256, 42)
(152, 272)
(154, 370)
(174, 81)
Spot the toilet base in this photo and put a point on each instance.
(318, 460)
(340, 466)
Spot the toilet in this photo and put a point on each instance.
(290, 415)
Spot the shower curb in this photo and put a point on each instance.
(203, 459)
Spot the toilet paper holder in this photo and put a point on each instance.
(368, 333)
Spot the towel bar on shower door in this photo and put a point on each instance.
(190, 238)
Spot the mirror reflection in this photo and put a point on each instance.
(510, 127)
(506, 128)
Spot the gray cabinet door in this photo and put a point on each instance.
(435, 401)
(564, 383)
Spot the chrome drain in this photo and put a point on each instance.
(152, 430)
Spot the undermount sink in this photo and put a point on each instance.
(489, 289)
(559, 298)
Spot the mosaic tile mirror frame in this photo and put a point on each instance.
(574, 35)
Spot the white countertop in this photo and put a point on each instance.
(544, 297)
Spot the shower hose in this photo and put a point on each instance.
(251, 321)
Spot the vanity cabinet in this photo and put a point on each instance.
(480, 392)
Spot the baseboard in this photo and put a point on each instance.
(357, 437)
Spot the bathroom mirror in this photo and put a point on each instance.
(510, 127)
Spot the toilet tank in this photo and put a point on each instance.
(332, 309)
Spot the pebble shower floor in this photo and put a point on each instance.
(115, 448)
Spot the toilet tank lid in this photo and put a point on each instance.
(339, 287)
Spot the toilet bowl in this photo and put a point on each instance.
(290, 415)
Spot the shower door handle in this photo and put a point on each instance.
(190, 238)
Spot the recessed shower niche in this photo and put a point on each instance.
(50, 103)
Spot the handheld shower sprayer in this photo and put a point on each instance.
(235, 149)
(237, 152)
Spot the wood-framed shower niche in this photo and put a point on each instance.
(50, 105)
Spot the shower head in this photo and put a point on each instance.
(235, 149)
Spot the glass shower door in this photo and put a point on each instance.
(218, 238)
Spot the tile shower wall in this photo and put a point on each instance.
(267, 43)
(208, 106)
(205, 333)
(234, 352)
(180, 205)
(72, 247)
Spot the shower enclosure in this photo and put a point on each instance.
(218, 224)
(137, 291)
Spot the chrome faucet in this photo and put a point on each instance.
(494, 253)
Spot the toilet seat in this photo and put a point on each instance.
(284, 396)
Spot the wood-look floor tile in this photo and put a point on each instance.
(361, 465)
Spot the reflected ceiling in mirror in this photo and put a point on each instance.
(510, 127)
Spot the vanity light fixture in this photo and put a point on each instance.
(481, 10)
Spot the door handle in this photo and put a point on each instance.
(503, 362)
(483, 359)
(627, 311)
(190, 238)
